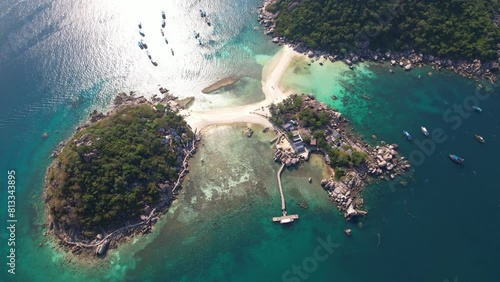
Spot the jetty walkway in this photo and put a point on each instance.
(284, 218)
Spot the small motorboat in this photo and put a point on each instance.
(141, 45)
(162, 33)
(166, 40)
(477, 109)
(163, 23)
(154, 63)
(172, 50)
(163, 15)
(480, 138)
(424, 131)
(149, 54)
(142, 33)
(456, 159)
(407, 135)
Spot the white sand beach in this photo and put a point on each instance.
(253, 113)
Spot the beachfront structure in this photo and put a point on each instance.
(288, 126)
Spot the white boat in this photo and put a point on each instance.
(424, 131)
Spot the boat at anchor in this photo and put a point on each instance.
(424, 131)
(480, 138)
(456, 159)
(407, 135)
(477, 109)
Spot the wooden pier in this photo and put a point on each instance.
(284, 218)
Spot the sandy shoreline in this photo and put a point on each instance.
(255, 113)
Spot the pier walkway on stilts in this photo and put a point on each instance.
(284, 218)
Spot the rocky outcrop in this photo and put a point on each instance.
(385, 161)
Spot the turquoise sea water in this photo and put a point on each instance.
(58, 61)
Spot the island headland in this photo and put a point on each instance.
(303, 126)
(403, 35)
(118, 173)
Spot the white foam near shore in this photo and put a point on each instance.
(255, 113)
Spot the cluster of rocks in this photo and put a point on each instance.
(406, 60)
(384, 160)
(124, 99)
(344, 194)
(83, 140)
(96, 116)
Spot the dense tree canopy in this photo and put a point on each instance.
(109, 172)
(446, 28)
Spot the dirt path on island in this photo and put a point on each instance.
(255, 113)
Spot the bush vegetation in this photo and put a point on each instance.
(115, 186)
(452, 28)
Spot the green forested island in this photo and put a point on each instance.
(115, 170)
(452, 28)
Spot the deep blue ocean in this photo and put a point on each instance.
(61, 60)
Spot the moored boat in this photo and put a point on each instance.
(162, 33)
(456, 159)
(166, 40)
(480, 138)
(142, 33)
(265, 129)
(139, 24)
(141, 45)
(172, 50)
(407, 135)
(477, 109)
(163, 15)
(149, 54)
(424, 131)
(163, 23)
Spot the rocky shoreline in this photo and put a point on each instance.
(69, 240)
(382, 162)
(475, 69)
